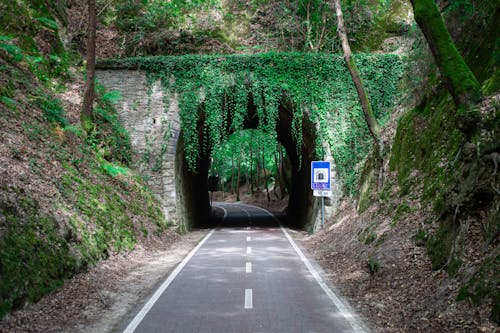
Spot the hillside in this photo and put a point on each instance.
(68, 200)
(412, 235)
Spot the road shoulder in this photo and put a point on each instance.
(101, 299)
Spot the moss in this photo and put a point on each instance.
(367, 235)
(492, 84)
(439, 246)
(401, 211)
(104, 213)
(34, 258)
(460, 81)
(428, 141)
(483, 285)
(373, 265)
(420, 237)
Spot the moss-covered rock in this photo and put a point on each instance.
(34, 257)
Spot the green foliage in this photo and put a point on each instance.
(26, 26)
(48, 23)
(109, 130)
(113, 169)
(148, 15)
(421, 237)
(373, 265)
(13, 50)
(252, 150)
(53, 110)
(401, 211)
(102, 213)
(34, 258)
(317, 85)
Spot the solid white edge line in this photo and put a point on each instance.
(344, 311)
(248, 299)
(338, 303)
(145, 309)
(221, 207)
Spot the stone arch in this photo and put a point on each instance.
(192, 187)
(156, 137)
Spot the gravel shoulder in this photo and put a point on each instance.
(101, 299)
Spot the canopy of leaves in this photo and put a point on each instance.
(30, 32)
(250, 149)
(318, 85)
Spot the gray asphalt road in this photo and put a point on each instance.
(246, 276)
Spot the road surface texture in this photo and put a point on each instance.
(247, 275)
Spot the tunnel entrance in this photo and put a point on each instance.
(192, 186)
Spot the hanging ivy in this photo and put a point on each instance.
(317, 84)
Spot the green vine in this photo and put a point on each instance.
(318, 85)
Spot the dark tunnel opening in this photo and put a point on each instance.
(192, 187)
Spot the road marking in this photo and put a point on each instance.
(248, 299)
(249, 267)
(249, 239)
(344, 310)
(249, 250)
(145, 309)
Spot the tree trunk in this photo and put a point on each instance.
(370, 119)
(251, 166)
(460, 81)
(257, 169)
(286, 184)
(265, 173)
(279, 177)
(232, 173)
(238, 180)
(87, 117)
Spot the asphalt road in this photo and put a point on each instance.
(247, 275)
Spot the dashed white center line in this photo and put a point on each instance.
(249, 267)
(249, 239)
(248, 299)
(249, 250)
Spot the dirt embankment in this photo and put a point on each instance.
(382, 267)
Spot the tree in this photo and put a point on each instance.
(461, 83)
(369, 116)
(86, 117)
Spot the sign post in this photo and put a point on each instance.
(320, 183)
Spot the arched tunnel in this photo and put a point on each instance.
(192, 187)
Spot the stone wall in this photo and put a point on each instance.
(152, 120)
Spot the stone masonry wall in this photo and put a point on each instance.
(152, 120)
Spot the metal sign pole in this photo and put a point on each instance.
(323, 212)
(320, 183)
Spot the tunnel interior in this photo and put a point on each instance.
(192, 186)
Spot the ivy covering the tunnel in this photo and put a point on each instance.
(317, 85)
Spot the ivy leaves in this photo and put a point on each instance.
(215, 90)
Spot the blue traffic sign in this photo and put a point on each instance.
(320, 175)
